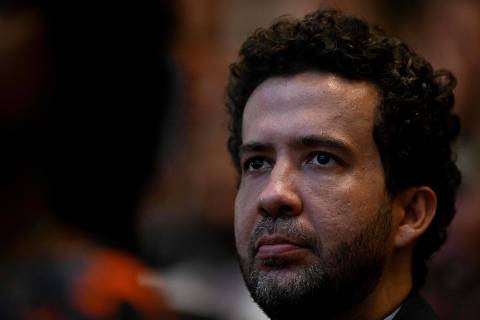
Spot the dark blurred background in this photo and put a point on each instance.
(116, 190)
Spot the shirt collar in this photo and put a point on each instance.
(393, 314)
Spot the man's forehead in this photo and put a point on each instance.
(303, 85)
(310, 102)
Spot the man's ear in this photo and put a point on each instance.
(415, 208)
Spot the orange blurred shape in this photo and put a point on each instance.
(110, 282)
(45, 313)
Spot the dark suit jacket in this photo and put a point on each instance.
(415, 307)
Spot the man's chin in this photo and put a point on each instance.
(279, 278)
(279, 291)
(294, 291)
(280, 274)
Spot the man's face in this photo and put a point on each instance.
(312, 216)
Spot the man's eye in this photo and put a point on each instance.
(322, 159)
(255, 164)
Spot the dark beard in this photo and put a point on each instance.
(338, 281)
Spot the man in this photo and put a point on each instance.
(342, 137)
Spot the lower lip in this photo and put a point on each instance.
(275, 250)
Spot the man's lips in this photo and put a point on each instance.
(271, 246)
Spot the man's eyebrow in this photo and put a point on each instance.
(303, 141)
(254, 147)
(322, 141)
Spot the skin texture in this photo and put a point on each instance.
(312, 175)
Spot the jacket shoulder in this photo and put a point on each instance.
(415, 307)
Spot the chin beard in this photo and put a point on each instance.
(292, 297)
(329, 287)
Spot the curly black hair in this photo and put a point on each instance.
(415, 126)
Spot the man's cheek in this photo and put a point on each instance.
(243, 222)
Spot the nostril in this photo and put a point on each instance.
(278, 211)
(284, 210)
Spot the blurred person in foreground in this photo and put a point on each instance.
(85, 88)
(342, 137)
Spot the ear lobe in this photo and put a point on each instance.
(417, 206)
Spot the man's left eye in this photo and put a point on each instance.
(322, 159)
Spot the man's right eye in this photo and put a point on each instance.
(255, 164)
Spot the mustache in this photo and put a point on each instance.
(286, 227)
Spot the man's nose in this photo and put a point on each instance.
(280, 196)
